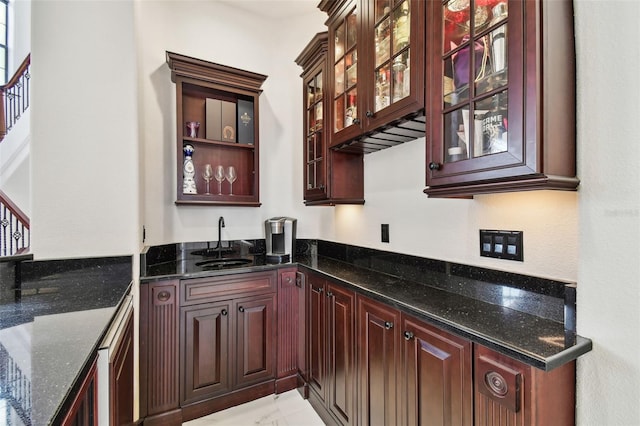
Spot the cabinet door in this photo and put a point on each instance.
(437, 385)
(315, 164)
(340, 353)
(159, 348)
(255, 339)
(317, 336)
(205, 351)
(395, 33)
(478, 96)
(507, 392)
(344, 49)
(378, 362)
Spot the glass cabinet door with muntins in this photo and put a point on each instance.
(480, 60)
(475, 78)
(392, 31)
(345, 54)
(315, 180)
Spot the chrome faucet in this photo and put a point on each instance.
(220, 226)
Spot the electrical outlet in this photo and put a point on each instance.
(502, 244)
(385, 232)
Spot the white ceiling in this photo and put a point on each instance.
(275, 8)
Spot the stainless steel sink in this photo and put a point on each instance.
(224, 263)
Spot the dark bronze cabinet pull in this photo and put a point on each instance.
(388, 325)
(369, 114)
(408, 335)
(329, 294)
(224, 312)
(241, 309)
(434, 166)
(164, 295)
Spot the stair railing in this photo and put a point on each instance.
(14, 97)
(15, 235)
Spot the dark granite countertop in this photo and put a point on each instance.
(52, 320)
(528, 318)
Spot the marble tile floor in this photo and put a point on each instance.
(286, 409)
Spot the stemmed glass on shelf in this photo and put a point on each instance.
(219, 176)
(207, 175)
(231, 177)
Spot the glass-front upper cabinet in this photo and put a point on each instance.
(330, 177)
(489, 81)
(377, 51)
(315, 168)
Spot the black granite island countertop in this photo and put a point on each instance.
(530, 319)
(52, 320)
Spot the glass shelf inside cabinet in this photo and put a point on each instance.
(475, 80)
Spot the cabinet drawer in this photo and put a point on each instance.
(202, 290)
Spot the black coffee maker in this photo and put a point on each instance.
(280, 238)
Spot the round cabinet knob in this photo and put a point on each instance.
(408, 335)
(496, 383)
(388, 325)
(369, 114)
(241, 309)
(224, 312)
(163, 296)
(434, 166)
(356, 121)
(329, 294)
(288, 280)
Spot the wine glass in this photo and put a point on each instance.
(207, 175)
(231, 177)
(219, 176)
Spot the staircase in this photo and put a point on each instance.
(14, 101)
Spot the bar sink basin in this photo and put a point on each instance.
(222, 263)
(211, 252)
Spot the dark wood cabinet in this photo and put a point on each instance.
(330, 177)
(368, 363)
(159, 361)
(217, 125)
(255, 356)
(376, 66)
(206, 351)
(291, 321)
(436, 387)
(500, 97)
(206, 344)
(509, 392)
(332, 374)
(83, 411)
(378, 362)
(121, 374)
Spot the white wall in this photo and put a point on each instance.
(448, 229)
(218, 32)
(590, 236)
(84, 147)
(609, 206)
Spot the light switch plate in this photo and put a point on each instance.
(502, 244)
